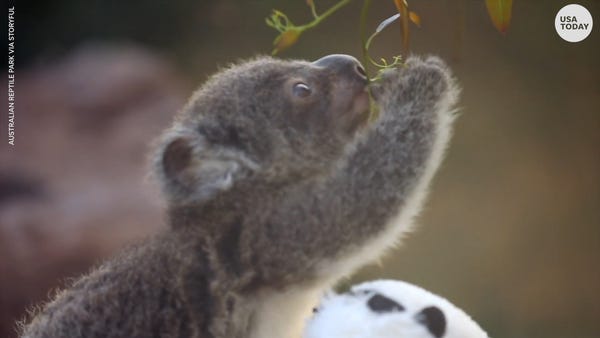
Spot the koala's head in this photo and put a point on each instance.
(390, 309)
(280, 120)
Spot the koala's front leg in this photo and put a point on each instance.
(404, 147)
(364, 207)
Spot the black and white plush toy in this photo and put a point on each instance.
(390, 309)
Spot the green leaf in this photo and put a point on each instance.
(386, 23)
(285, 40)
(415, 18)
(500, 12)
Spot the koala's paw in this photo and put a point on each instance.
(425, 82)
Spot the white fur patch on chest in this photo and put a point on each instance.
(284, 314)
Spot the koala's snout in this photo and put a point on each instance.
(350, 101)
(344, 65)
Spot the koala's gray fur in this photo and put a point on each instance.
(273, 195)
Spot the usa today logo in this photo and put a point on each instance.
(573, 23)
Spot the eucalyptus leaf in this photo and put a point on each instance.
(387, 22)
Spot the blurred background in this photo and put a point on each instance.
(511, 232)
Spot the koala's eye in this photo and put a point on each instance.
(301, 90)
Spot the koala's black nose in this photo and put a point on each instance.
(434, 320)
(342, 64)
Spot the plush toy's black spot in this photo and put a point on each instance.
(381, 304)
(434, 319)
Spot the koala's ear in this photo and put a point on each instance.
(193, 170)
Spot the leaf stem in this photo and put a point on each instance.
(313, 9)
(364, 14)
(325, 14)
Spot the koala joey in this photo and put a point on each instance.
(277, 185)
